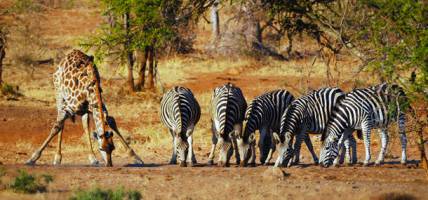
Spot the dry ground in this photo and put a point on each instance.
(25, 123)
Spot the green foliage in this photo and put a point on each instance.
(151, 23)
(27, 183)
(99, 194)
(396, 31)
(9, 90)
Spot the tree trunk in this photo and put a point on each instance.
(215, 22)
(2, 54)
(150, 75)
(143, 64)
(129, 56)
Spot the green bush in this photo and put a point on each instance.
(99, 194)
(9, 90)
(28, 183)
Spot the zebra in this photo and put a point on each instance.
(307, 114)
(263, 114)
(365, 109)
(180, 112)
(228, 107)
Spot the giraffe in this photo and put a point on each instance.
(78, 92)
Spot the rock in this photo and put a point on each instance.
(275, 173)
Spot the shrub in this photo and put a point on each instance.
(9, 90)
(99, 194)
(28, 183)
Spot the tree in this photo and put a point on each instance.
(215, 22)
(2, 52)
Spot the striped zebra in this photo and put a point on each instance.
(365, 109)
(227, 111)
(180, 112)
(263, 114)
(308, 114)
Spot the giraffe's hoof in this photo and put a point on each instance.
(210, 162)
(57, 159)
(30, 162)
(138, 161)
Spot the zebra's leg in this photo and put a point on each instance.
(272, 148)
(384, 144)
(308, 143)
(297, 145)
(339, 158)
(403, 137)
(58, 126)
(112, 124)
(191, 158)
(264, 144)
(252, 161)
(348, 144)
(366, 128)
(214, 140)
(173, 160)
(237, 131)
(85, 124)
(353, 146)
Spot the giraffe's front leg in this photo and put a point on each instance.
(58, 156)
(58, 126)
(112, 124)
(91, 156)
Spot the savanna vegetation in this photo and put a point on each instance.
(143, 47)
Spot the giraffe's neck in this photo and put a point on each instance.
(97, 110)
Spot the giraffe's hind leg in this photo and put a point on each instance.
(112, 124)
(58, 126)
(85, 123)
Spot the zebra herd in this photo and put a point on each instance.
(281, 118)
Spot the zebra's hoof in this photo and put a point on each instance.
(210, 162)
(173, 162)
(403, 162)
(138, 161)
(222, 164)
(182, 164)
(378, 163)
(190, 164)
(242, 164)
(365, 164)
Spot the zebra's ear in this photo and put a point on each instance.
(95, 135)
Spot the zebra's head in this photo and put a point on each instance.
(285, 151)
(244, 148)
(329, 152)
(181, 148)
(226, 151)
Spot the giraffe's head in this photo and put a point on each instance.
(106, 146)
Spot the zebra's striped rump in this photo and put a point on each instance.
(365, 109)
(308, 114)
(180, 112)
(263, 114)
(228, 109)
